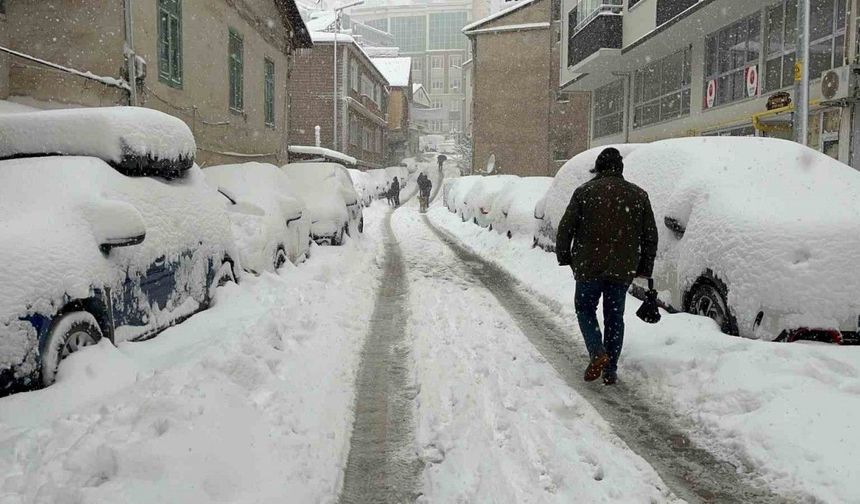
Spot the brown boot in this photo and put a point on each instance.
(595, 368)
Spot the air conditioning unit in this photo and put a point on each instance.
(840, 83)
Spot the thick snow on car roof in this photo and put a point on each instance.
(262, 184)
(136, 141)
(321, 189)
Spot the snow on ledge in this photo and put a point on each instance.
(501, 13)
(322, 151)
(507, 28)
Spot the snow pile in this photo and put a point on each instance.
(111, 134)
(395, 70)
(573, 174)
(764, 406)
(454, 193)
(513, 212)
(250, 401)
(364, 185)
(10, 107)
(264, 202)
(478, 200)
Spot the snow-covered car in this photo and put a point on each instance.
(479, 200)
(267, 214)
(549, 209)
(364, 185)
(454, 193)
(107, 230)
(759, 234)
(513, 211)
(332, 202)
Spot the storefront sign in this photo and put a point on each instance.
(710, 93)
(751, 78)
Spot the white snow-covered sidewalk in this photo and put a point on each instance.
(495, 421)
(250, 401)
(784, 411)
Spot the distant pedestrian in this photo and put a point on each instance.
(440, 159)
(394, 193)
(611, 227)
(425, 185)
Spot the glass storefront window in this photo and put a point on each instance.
(661, 90)
(727, 54)
(609, 109)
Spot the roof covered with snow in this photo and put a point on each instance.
(382, 51)
(395, 70)
(320, 20)
(322, 152)
(502, 13)
(342, 38)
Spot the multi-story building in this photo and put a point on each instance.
(669, 68)
(351, 113)
(402, 134)
(519, 118)
(221, 66)
(431, 34)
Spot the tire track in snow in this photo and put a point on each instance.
(382, 465)
(692, 473)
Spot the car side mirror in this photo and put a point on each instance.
(115, 224)
(675, 226)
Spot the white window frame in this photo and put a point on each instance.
(437, 62)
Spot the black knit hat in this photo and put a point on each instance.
(608, 160)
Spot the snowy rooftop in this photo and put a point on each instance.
(322, 152)
(320, 21)
(382, 52)
(395, 70)
(497, 15)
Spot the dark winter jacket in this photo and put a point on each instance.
(395, 187)
(424, 183)
(611, 225)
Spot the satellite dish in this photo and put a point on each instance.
(491, 163)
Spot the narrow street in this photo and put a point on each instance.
(500, 409)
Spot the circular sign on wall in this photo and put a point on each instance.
(752, 80)
(710, 93)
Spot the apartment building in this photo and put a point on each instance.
(518, 116)
(220, 66)
(431, 35)
(357, 125)
(667, 68)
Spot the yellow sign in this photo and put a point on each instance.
(798, 69)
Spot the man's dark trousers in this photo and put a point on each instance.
(587, 296)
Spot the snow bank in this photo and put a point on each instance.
(513, 211)
(478, 200)
(764, 406)
(325, 194)
(260, 186)
(112, 134)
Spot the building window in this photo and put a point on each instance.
(455, 84)
(417, 64)
(446, 30)
(455, 61)
(436, 62)
(269, 91)
(2, 6)
(354, 131)
(661, 90)
(728, 52)
(410, 33)
(353, 74)
(436, 85)
(826, 35)
(454, 106)
(236, 63)
(367, 139)
(379, 24)
(169, 42)
(608, 109)
(379, 141)
(586, 10)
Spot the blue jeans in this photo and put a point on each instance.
(587, 296)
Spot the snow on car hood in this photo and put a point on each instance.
(514, 209)
(48, 213)
(107, 133)
(776, 221)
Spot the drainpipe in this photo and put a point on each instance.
(128, 51)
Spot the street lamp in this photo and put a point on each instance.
(337, 13)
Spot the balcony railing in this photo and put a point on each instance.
(588, 10)
(604, 31)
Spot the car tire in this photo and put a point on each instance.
(361, 225)
(69, 333)
(281, 258)
(225, 274)
(708, 298)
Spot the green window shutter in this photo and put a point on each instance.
(269, 91)
(236, 68)
(170, 42)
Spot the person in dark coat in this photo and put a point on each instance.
(395, 192)
(424, 187)
(608, 237)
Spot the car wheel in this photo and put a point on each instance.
(490, 227)
(280, 258)
(708, 298)
(509, 234)
(69, 333)
(361, 225)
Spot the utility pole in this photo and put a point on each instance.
(801, 74)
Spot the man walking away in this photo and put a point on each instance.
(395, 192)
(424, 186)
(611, 226)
